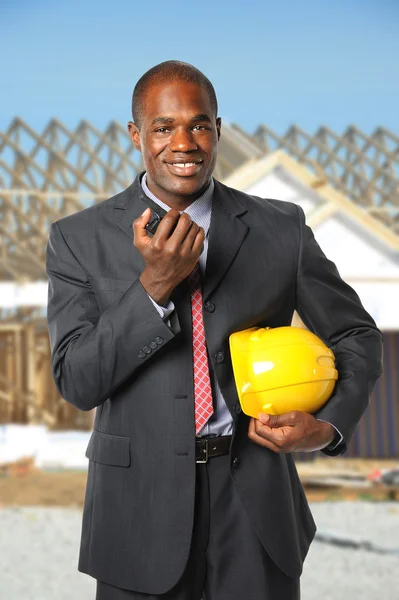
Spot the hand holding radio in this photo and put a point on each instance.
(170, 255)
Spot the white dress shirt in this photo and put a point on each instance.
(221, 422)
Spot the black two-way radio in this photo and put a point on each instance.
(157, 213)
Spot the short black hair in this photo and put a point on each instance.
(164, 72)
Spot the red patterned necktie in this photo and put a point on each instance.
(202, 382)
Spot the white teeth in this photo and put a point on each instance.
(184, 165)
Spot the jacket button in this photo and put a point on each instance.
(153, 345)
(159, 340)
(141, 354)
(147, 350)
(219, 357)
(236, 462)
(237, 408)
(209, 306)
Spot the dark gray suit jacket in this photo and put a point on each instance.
(111, 350)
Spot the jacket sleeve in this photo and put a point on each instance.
(93, 353)
(332, 310)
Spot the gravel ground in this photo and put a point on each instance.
(39, 548)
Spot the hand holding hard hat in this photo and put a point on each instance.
(283, 375)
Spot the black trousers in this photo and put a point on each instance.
(227, 560)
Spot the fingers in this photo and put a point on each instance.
(291, 418)
(198, 245)
(168, 223)
(253, 434)
(174, 248)
(174, 227)
(184, 227)
(194, 239)
(187, 235)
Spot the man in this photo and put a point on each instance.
(185, 494)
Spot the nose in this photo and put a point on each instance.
(182, 140)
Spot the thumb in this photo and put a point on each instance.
(145, 216)
(270, 420)
(140, 223)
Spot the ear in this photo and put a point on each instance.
(219, 126)
(134, 133)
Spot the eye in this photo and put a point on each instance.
(200, 127)
(161, 130)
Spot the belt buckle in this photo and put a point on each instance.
(203, 449)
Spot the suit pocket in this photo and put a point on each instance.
(109, 449)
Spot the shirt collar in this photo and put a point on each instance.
(202, 204)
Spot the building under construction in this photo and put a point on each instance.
(348, 186)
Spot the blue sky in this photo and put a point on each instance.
(305, 62)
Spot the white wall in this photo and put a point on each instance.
(363, 261)
(28, 294)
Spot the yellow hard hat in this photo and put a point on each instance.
(281, 369)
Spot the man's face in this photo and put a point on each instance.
(178, 139)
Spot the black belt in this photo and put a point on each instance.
(207, 447)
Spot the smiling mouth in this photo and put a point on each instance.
(185, 168)
(185, 165)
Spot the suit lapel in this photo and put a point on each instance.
(226, 232)
(131, 204)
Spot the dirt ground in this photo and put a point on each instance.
(64, 488)
(67, 488)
